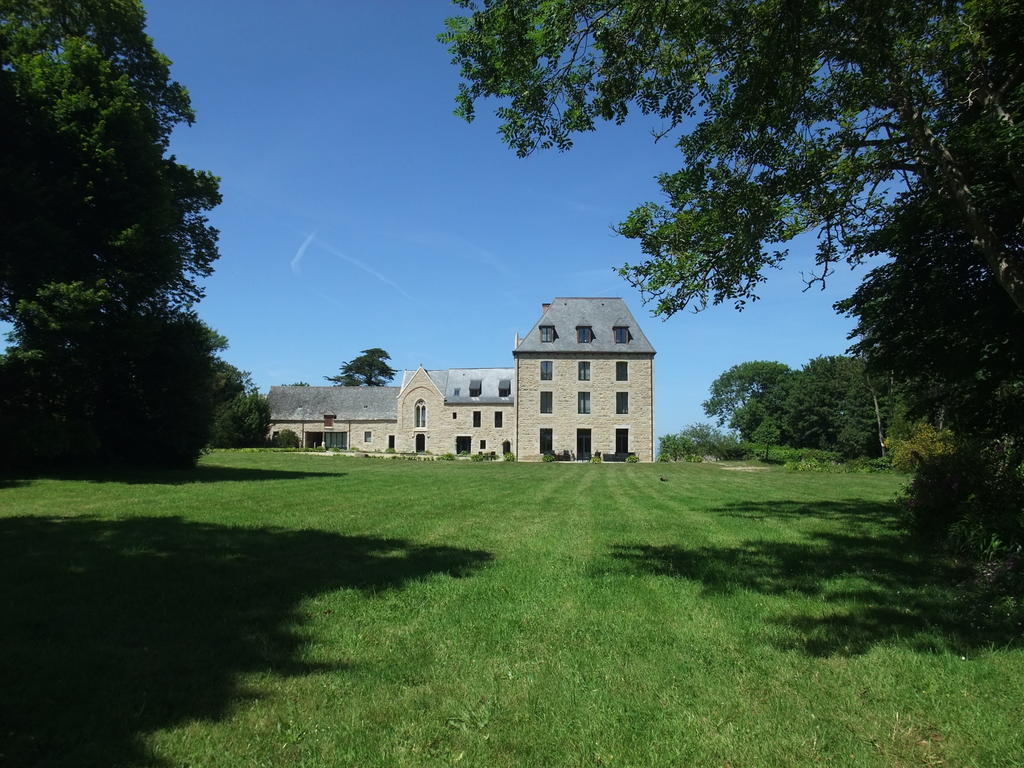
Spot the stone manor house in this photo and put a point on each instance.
(583, 383)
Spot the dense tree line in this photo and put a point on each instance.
(833, 404)
(105, 245)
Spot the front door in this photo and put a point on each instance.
(421, 442)
(583, 444)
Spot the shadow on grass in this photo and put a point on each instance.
(199, 474)
(867, 584)
(849, 512)
(112, 630)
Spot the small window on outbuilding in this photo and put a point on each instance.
(475, 387)
(367, 437)
(328, 419)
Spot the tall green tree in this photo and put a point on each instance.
(829, 405)
(105, 240)
(370, 369)
(790, 117)
(747, 394)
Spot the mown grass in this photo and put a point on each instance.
(289, 609)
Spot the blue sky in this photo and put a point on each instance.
(360, 212)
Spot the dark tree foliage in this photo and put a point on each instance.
(790, 117)
(370, 369)
(241, 422)
(936, 319)
(829, 406)
(105, 241)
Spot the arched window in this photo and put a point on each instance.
(421, 413)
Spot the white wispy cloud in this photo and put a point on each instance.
(297, 258)
(314, 240)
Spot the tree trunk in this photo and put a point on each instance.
(878, 414)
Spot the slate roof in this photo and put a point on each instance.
(601, 313)
(451, 379)
(346, 403)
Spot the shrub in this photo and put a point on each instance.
(632, 459)
(509, 457)
(700, 440)
(924, 443)
(286, 438)
(548, 457)
(595, 459)
(694, 458)
(446, 457)
(970, 499)
(478, 457)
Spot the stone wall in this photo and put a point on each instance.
(602, 419)
(447, 422)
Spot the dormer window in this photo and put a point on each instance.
(504, 387)
(456, 392)
(475, 387)
(622, 335)
(584, 334)
(329, 419)
(547, 333)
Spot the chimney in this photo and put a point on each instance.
(516, 345)
(544, 308)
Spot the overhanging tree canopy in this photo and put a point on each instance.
(794, 115)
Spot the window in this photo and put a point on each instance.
(421, 414)
(622, 402)
(547, 370)
(547, 333)
(498, 419)
(328, 419)
(336, 440)
(367, 437)
(583, 402)
(584, 371)
(584, 334)
(483, 445)
(463, 444)
(504, 387)
(476, 418)
(456, 391)
(455, 414)
(622, 441)
(475, 387)
(546, 441)
(545, 402)
(391, 442)
(622, 371)
(621, 334)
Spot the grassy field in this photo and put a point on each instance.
(301, 610)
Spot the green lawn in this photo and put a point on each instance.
(302, 610)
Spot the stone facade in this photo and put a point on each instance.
(457, 410)
(565, 420)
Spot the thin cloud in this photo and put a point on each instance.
(367, 269)
(297, 258)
